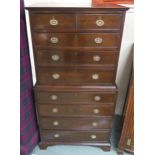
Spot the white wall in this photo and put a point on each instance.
(125, 60)
(29, 2)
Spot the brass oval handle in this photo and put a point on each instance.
(94, 124)
(98, 40)
(97, 98)
(99, 22)
(55, 123)
(56, 135)
(54, 40)
(93, 136)
(56, 76)
(53, 22)
(55, 110)
(55, 57)
(96, 111)
(54, 97)
(96, 58)
(95, 76)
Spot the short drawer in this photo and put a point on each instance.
(75, 110)
(55, 75)
(75, 97)
(99, 21)
(107, 40)
(53, 22)
(79, 58)
(73, 136)
(75, 123)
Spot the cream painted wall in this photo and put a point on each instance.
(29, 2)
(125, 60)
(126, 53)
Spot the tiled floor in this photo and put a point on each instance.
(83, 150)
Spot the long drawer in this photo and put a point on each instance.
(98, 40)
(73, 136)
(75, 110)
(76, 123)
(79, 58)
(47, 75)
(55, 97)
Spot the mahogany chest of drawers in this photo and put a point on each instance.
(76, 51)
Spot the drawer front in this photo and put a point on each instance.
(75, 110)
(55, 57)
(100, 21)
(75, 123)
(53, 22)
(108, 40)
(76, 76)
(75, 98)
(99, 40)
(73, 136)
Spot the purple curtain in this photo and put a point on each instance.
(28, 123)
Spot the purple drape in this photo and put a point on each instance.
(28, 123)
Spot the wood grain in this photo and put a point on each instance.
(66, 106)
(127, 136)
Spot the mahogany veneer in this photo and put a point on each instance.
(76, 58)
(76, 52)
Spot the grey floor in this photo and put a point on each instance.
(83, 150)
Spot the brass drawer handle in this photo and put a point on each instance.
(53, 22)
(55, 123)
(54, 97)
(98, 40)
(56, 135)
(97, 98)
(99, 22)
(93, 136)
(54, 40)
(95, 76)
(56, 76)
(55, 57)
(96, 58)
(129, 142)
(55, 110)
(96, 111)
(94, 124)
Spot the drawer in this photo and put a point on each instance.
(108, 40)
(53, 22)
(75, 123)
(71, 57)
(73, 136)
(55, 75)
(75, 110)
(100, 21)
(75, 97)
(99, 40)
